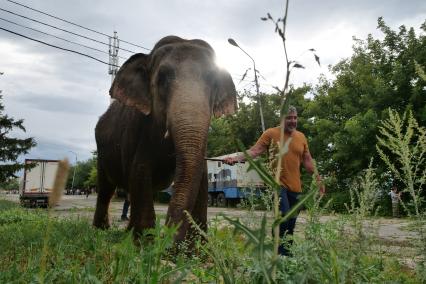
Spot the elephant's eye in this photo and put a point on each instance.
(166, 75)
(210, 77)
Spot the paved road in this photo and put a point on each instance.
(82, 206)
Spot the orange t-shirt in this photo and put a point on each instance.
(290, 165)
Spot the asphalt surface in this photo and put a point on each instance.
(84, 206)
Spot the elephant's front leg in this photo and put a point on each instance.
(105, 193)
(199, 214)
(142, 214)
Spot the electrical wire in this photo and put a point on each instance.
(58, 47)
(76, 43)
(74, 24)
(51, 26)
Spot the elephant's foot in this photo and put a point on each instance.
(101, 222)
(141, 233)
(198, 233)
(188, 247)
(101, 217)
(190, 229)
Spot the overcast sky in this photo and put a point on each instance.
(61, 95)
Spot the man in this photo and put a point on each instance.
(125, 209)
(395, 197)
(298, 153)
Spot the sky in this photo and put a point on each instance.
(60, 95)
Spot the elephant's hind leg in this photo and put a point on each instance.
(142, 214)
(105, 193)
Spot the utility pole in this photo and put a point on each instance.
(1, 73)
(113, 56)
(73, 175)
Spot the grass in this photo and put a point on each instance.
(78, 253)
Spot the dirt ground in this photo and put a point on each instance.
(394, 235)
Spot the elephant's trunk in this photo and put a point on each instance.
(189, 119)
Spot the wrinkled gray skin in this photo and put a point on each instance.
(156, 132)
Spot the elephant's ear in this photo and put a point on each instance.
(131, 85)
(225, 101)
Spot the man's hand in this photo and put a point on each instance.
(322, 190)
(231, 160)
(320, 185)
(253, 152)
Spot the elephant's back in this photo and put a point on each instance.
(117, 134)
(115, 121)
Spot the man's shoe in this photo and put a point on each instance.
(124, 218)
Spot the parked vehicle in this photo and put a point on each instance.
(37, 182)
(228, 184)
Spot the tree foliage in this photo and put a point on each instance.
(11, 147)
(345, 112)
(85, 174)
(10, 184)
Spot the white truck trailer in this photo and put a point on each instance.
(37, 182)
(230, 183)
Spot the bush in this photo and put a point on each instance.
(337, 201)
(5, 205)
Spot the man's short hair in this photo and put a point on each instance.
(291, 109)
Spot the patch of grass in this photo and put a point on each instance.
(6, 204)
(78, 253)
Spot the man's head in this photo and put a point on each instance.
(290, 119)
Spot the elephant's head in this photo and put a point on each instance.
(179, 85)
(178, 75)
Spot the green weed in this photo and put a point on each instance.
(402, 146)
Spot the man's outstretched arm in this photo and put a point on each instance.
(253, 152)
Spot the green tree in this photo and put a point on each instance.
(10, 184)
(11, 147)
(92, 180)
(345, 113)
(83, 171)
(219, 141)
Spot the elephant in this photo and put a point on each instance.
(155, 133)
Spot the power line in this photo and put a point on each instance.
(39, 22)
(55, 17)
(89, 47)
(135, 45)
(51, 26)
(71, 23)
(55, 46)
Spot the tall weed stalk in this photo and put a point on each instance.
(54, 197)
(402, 146)
(280, 28)
(406, 142)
